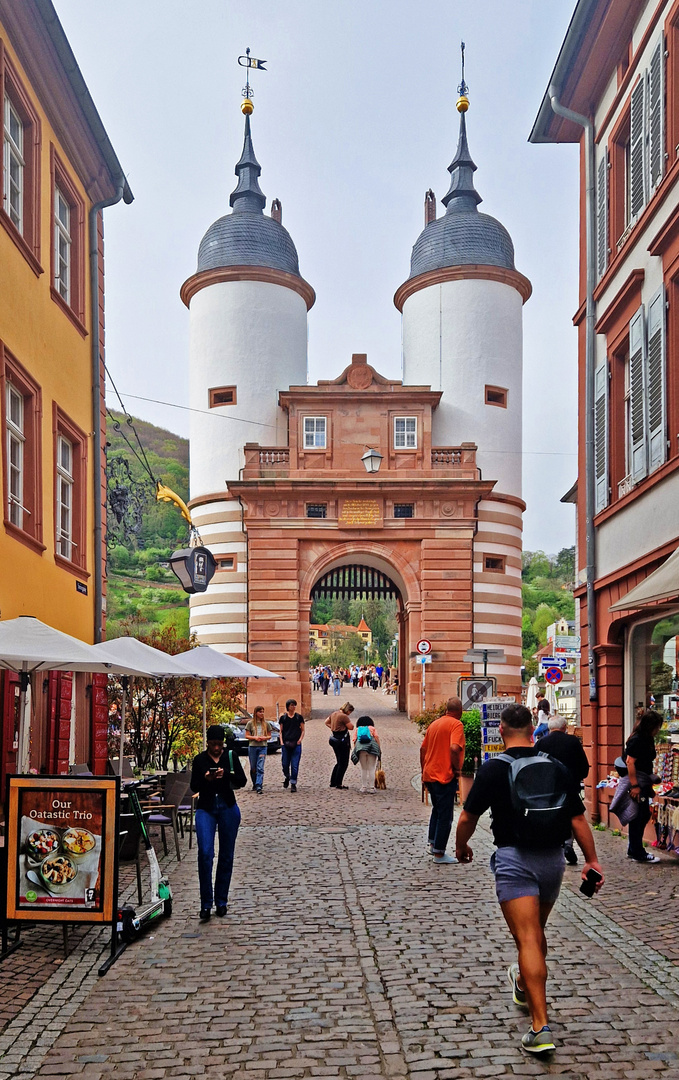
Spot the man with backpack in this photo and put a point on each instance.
(534, 806)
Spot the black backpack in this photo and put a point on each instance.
(539, 786)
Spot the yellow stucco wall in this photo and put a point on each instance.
(40, 335)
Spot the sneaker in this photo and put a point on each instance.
(430, 850)
(258, 790)
(645, 858)
(286, 782)
(205, 913)
(518, 995)
(439, 860)
(570, 855)
(538, 1042)
(293, 787)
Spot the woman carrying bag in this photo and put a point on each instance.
(340, 726)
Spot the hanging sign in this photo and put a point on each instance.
(61, 848)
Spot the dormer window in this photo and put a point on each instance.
(315, 432)
(405, 433)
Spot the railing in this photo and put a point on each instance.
(269, 456)
(625, 486)
(454, 457)
(271, 461)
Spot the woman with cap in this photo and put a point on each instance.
(215, 774)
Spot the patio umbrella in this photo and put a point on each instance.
(206, 663)
(550, 694)
(28, 645)
(154, 663)
(532, 693)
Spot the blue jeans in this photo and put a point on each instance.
(441, 820)
(290, 762)
(225, 820)
(257, 756)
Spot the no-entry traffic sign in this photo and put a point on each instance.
(423, 647)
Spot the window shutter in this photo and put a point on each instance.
(656, 109)
(601, 436)
(637, 379)
(602, 215)
(656, 381)
(637, 155)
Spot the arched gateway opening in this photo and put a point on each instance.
(358, 581)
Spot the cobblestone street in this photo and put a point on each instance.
(346, 953)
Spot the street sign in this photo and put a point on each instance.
(570, 655)
(567, 641)
(553, 661)
(491, 740)
(423, 659)
(554, 675)
(423, 647)
(474, 691)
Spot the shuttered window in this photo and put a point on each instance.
(602, 215)
(601, 435)
(656, 115)
(637, 148)
(637, 369)
(656, 381)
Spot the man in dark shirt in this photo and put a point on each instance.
(569, 751)
(527, 878)
(292, 735)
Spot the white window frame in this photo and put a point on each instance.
(62, 245)
(406, 439)
(316, 436)
(65, 491)
(13, 154)
(16, 439)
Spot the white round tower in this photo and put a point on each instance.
(462, 334)
(248, 309)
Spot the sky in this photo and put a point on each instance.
(354, 119)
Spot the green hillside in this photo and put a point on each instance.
(143, 595)
(547, 590)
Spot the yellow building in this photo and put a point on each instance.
(324, 636)
(58, 171)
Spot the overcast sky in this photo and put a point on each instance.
(354, 119)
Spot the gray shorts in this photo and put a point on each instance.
(519, 872)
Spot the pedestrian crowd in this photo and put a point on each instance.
(532, 790)
(374, 676)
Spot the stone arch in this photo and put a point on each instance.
(376, 555)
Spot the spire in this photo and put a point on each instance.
(247, 195)
(462, 195)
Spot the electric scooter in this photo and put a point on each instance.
(133, 921)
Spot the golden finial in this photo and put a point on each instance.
(247, 107)
(462, 103)
(248, 62)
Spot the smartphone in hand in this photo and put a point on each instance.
(589, 884)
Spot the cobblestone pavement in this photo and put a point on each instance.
(346, 954)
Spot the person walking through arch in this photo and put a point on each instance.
(340, 726)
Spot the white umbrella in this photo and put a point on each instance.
(153, 662)
(532, 693)
(28, 645)
(206, 663)
(550, 694)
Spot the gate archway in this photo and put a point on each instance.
(353, 582)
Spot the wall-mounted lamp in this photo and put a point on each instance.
(372, 459)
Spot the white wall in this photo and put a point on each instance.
(251, 335)
(458, 337)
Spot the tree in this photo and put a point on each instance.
(544, 617)
(565, 564)
(535, 564)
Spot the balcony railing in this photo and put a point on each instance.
(625, 486)
(454, 457)
(274, 461)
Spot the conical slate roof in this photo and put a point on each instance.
(462, 236)
(246, 237)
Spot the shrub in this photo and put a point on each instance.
(471, 722)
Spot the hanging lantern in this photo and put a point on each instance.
(194, 567)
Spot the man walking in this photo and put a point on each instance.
(569, 751)
(441, 757)
(528, 864)
(292, 735)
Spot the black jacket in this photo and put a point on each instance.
(207, 789)
(568, 750)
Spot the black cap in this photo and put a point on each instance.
(215, 731)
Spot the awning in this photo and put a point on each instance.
(662, 584)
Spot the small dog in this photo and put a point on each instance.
(380, 779)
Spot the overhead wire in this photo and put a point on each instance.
(143, 460)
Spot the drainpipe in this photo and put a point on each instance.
(96, 403)
(590, 343)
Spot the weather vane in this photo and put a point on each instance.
(463, 101)
(249, 62)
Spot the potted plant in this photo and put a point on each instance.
(471, 722)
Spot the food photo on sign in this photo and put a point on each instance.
(59, 851)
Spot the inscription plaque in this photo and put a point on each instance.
(360, 514)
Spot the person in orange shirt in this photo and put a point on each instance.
(441, 757)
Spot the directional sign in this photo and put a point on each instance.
(423, 659)
(423, 647)
(553, 661)
(567, 641)
(554, 675)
